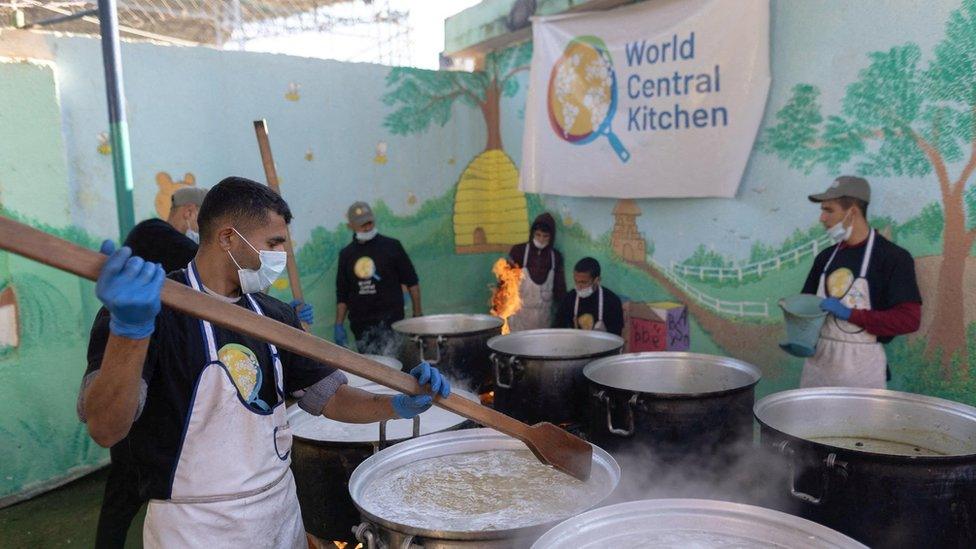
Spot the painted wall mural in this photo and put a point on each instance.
(490, 212)
(437, 155)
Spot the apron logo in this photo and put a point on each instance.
(585, 321)
(839, 282)
(245, 371)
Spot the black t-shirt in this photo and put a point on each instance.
(176, 357)
(589, 309)
(157, 241)
(369, 277)
(890, 276)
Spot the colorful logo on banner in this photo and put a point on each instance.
(582, 95)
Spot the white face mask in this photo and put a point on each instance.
(193, 235)
(272, 265)
(839, 233)
(585, 292)
(539, 244)
(367, 236)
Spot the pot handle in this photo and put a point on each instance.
(629, 431)
(365, 535)
(420, 345)
(510, 364)
(832, 467)
(383, 442)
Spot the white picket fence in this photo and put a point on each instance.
(759, 268)
(734, 308)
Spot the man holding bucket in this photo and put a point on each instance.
(867, 286)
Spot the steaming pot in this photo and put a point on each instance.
(379, 532)
(681, 406)
(455, 343)
(889, 469)
(689, 523)
(325, 453)
(539, 373)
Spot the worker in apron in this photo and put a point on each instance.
(201, 408)
(590, 306)
(868, 288)
(543, 281)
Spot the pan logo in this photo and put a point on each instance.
(582, 95)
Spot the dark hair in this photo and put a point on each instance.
(540, 226)
(588, 265)
(847, 201)
(245, 202)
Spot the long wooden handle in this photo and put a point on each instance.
(41, 247)
(271, 173)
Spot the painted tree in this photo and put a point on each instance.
(900, 119)
(490, 212)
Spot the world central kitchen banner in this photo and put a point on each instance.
(659, 99)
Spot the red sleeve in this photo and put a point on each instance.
(901, 319)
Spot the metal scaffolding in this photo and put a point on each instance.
(230, 23)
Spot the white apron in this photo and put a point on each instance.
(597, 326)
(536, 311)
(232, 486)
(847, 355)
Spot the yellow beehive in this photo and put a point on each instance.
(490, 213)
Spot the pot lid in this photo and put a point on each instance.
(672, 374)
(452, 324)
(557, 344)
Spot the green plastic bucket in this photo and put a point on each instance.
(803, 322)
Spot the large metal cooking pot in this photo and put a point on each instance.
(539, 373)
(379, 532)
(689, 523)
(681, 406)
(455, 343)
(890, 469)
(325, 453)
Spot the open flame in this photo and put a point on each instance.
(505, 299)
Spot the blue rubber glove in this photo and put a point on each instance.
(407, 406)
(305, 313)
(130, 289)
(339, 335)
(833, 306)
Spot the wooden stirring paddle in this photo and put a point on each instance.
(550, 444)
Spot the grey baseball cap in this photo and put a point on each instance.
(359, 214)
(189, 195)
(845, 185)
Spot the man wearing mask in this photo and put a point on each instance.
(868, 288)
(171, 243)
(200, 409)
(369, 284)
(543, 279)
(590, 306)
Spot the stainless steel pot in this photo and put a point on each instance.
(455, 343)
(890, 469)
(325, 453)
(689, 523)
(685, 407)
(379, 532)
(539, 373)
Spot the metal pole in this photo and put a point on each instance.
(121, 160)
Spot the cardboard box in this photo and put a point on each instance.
(658, 326)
